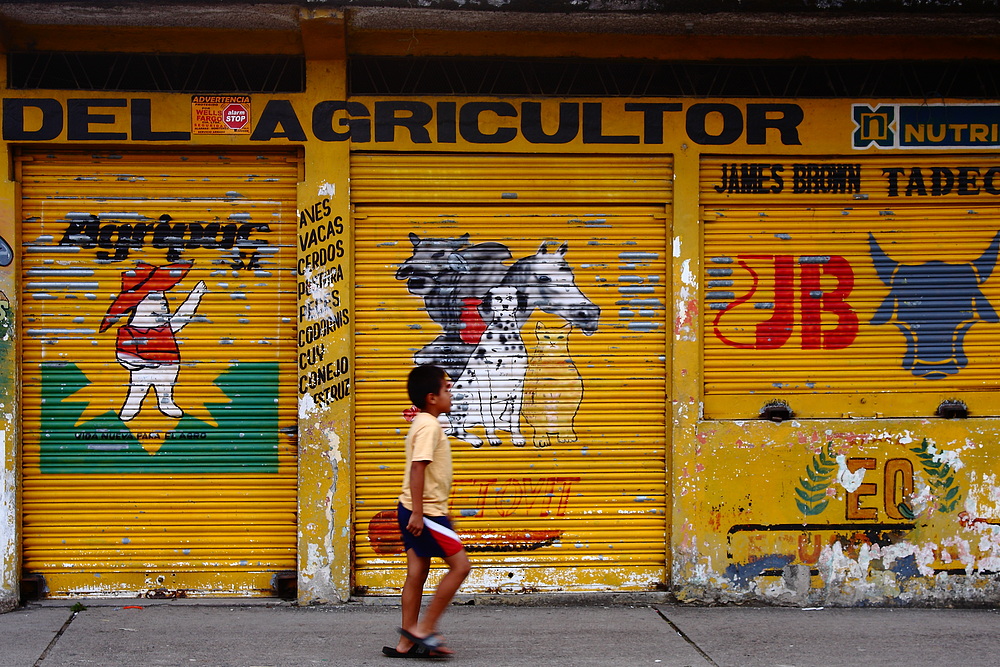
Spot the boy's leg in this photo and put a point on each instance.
(417, 568)
(458, 570)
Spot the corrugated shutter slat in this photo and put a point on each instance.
(796, 311)
(198, 497)
(584, 513)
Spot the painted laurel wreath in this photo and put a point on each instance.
(820, 474)
(940, 477)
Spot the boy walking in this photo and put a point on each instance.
(423, 518)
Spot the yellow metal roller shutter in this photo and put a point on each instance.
(159, 401)
(852, 286)
(568, 493)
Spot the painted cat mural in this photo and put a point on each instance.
(553, 387)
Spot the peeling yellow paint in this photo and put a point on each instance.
(919, 524)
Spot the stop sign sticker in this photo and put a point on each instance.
(235, 116)
(220, 114)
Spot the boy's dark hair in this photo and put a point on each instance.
(423, 380)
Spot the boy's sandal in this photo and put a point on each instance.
(433, 642)
(416, 651)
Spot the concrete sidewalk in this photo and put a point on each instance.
(258, 634)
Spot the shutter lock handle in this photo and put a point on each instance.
(776, 411)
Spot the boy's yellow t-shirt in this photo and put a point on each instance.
(426, 441)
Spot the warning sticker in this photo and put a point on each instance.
(220, 114)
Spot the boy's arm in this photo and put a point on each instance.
(416, 523)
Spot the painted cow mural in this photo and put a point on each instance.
(934, 304)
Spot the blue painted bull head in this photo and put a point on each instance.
(934, 304)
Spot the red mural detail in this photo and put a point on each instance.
(471, 321)
(743, 299)
(545, 496)
(383, 536)
(809, 551)
(814, 302)
(542, 497)
(775, 331)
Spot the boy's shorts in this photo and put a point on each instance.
(436, 539)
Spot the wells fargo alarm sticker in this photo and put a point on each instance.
(220, 114)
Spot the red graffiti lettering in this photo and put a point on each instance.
(809, 552)
(543, 496)
(814, 303)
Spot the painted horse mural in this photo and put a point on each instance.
(545, 281)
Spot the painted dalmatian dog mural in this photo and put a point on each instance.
(490, 389)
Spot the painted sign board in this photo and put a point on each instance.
(927, 126)
(639, 124)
